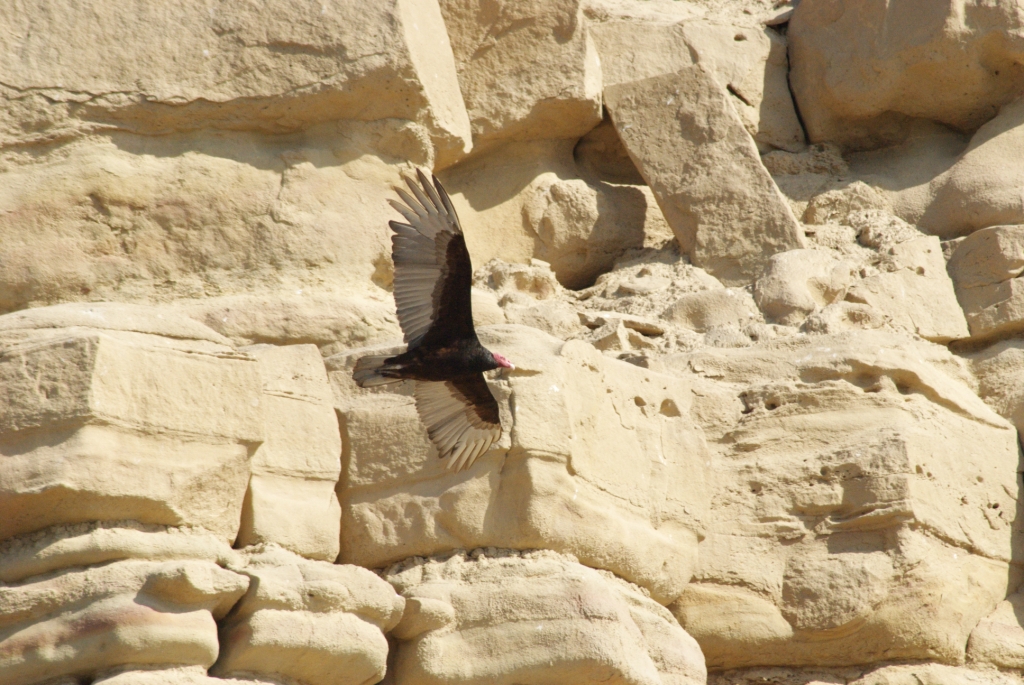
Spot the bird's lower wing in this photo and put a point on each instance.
(461, 418)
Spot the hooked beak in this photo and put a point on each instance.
(503, 362)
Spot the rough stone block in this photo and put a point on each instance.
(915, 291)
(998, 638)
(983, 187)
(103, 425)
(528, 70)
(311, 621)
(713, 308)
(154, 69)
(798, 283)
(91, 544)
(864, 503)
(291, 498)
(83, 621)
(541, 617)
(692, 149)
(954, 63)
(985, 267)
(750, 62)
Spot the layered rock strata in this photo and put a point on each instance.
(756, 263)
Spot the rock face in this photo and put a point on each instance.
(829, 494)
(528, 70)
(757, 264)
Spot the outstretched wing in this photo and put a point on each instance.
(433, 274)
(461, 417)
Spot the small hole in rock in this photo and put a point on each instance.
(639, 401)
(739, 37)
(669, 408)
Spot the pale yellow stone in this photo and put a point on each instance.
(998, 638)
(129, 612)
(568, 623)
(983, 188)
(798, 283)
(861, 499)
(180, 67)
(713, 308)
(311, 621)
(528, 70)
(107, 425)
(291, 499)
(915, 292)
(952, 63)
(704, 169)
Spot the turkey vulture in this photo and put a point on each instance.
(433, 276)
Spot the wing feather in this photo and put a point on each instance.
(433, 273)
(461, 418)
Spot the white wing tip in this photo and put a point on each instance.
(464, 455)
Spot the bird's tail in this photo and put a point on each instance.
(367, 372)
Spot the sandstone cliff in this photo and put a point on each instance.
(756, 262)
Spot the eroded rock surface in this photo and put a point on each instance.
(763, 426)
(567, 622)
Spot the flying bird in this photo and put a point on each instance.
(433, 276)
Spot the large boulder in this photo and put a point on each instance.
(599, 459)
(910, 285)
(527, 68)
(154, 219)
(954, 63)
(689, 144)
(748, 60)
(985, 268)
(132, 612)
(501, 617)
(798, 283)
(310, 621)
(111, 412)
(983, 187)
(283, 68)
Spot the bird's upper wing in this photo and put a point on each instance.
(433, 274)
(461, 417)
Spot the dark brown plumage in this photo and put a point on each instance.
(433, 277)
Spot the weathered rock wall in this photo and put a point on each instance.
(756, 263)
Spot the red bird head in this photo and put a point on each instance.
(502, 362)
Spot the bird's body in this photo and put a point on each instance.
(433, 280)
(459, 359)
